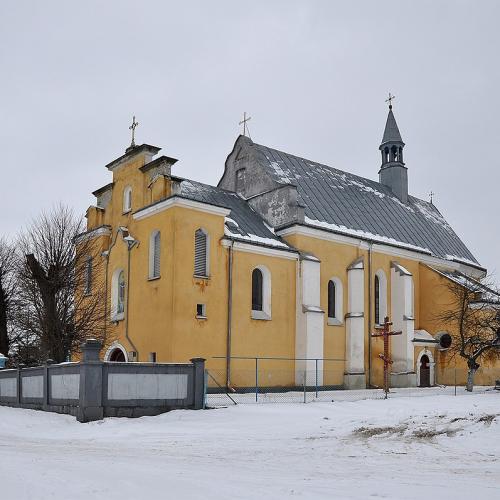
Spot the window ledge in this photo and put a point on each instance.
(201, 277)
(260, 315)
(154, 278)
(117, 317)
(335, 322)
(201, 317)
(126, 212)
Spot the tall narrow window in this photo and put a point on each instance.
(332, 306)
(120, 302)
(154, 254)
(88, 275)
(377, 300)
(200, 253)
(261, 293)
(380, 297)
(257, 290)
(127, 199)
(335, 302)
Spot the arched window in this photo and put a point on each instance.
(331, 300)
(377, 300)
(201, 253)
(257, 292)
(380, 297)
(121, 293)
(118, 295)
(261, 293)
(127, 199)
(154, 254)
(335, 299)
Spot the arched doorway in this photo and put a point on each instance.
(117, 356)
(425, 371)
(116, 353)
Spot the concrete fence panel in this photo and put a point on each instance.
(92, 389)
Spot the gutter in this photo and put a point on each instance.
(370, 244)
(130, 245)
(229, 315)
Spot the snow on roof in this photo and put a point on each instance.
(243, 223)
(364, 208)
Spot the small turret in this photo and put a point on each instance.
(393, 172)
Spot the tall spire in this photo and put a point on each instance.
(391, 132)
(393, 172)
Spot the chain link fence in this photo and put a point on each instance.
(283, 380)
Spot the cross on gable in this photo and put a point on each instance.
(244, 123)
(133, 127)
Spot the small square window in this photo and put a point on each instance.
(201, 311)
(152, 357)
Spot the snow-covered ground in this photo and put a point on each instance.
(427, 447)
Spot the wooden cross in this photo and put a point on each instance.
(386, 356)
(132, 127)
(390, 99)
(431, 194)
(244, 123)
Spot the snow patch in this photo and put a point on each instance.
(358, 233)
(253, 238)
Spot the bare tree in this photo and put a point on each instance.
(60, 286)
(7, 292)
(473, 321)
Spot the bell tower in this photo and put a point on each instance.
(393, 172)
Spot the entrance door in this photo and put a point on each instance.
(425, 371)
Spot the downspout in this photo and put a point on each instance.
(130, 245)
(105, 254)
(370, 244)
(229, 316)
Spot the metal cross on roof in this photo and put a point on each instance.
(431, 195)
(390, 99)
(132, 127)
(244, 123)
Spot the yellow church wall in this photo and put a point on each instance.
(263, 338)
(159, 320)
(383, 262)
(335, 259)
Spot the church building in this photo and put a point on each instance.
(285, 258)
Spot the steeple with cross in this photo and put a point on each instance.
(393, 172)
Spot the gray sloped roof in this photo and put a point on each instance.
(391, 131)
(348, 204)
(243, 223)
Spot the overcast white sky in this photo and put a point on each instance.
(313, 75)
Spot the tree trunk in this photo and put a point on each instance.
(470, 380)
(4, 337)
